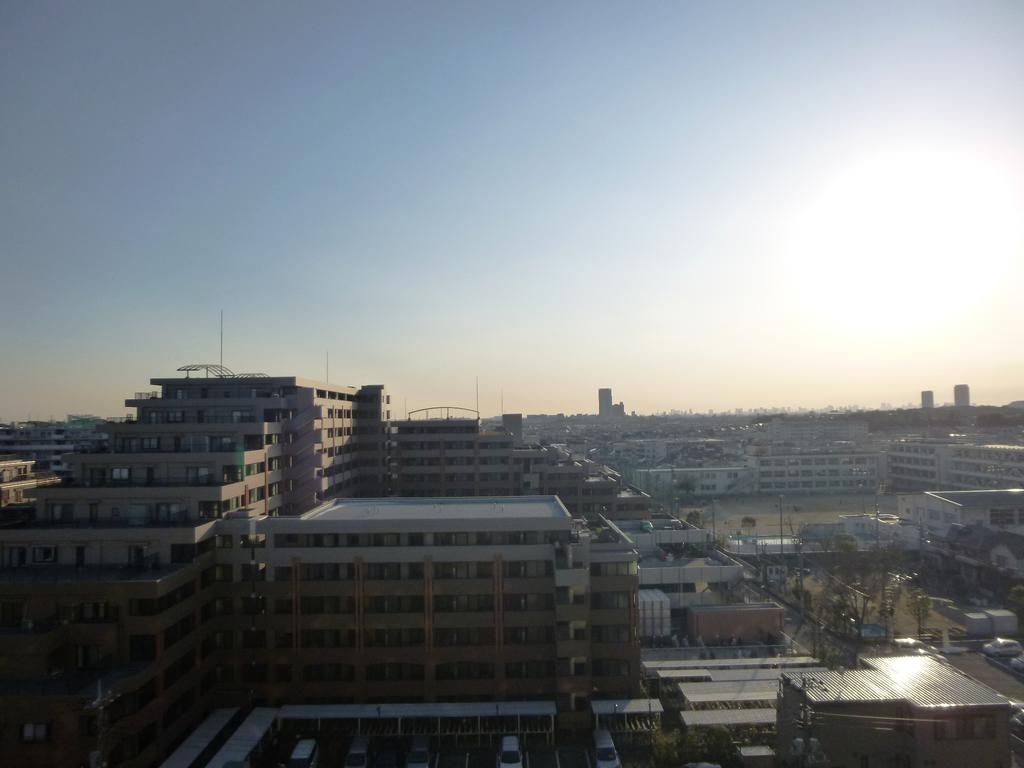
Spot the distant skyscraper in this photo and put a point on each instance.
(604, 402)
(927, 399)
(961, 395)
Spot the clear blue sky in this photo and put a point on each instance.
(702, 205)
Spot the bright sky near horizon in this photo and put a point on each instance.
(701, 205)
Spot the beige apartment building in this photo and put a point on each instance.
(212, 442)
(119, 634)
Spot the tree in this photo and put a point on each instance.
(666, 750)
(920, 606)
(1016, 601)
(748, 522)
(694, 517)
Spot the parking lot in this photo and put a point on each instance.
(333, 748)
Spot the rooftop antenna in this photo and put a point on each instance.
(502, 401)
(478, 398)
(222, 337)
(327, 368)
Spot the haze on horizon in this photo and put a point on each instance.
(700, 205)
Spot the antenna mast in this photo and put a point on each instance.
(222, 337)
(478, 397)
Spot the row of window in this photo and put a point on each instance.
(456, 539)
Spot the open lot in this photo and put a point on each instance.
(796, 509)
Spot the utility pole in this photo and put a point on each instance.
(714, 534)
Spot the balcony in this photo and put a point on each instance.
(162, 421)
(199, 482)
(69, 574)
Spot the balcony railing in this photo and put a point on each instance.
(187, 419)
(154, 483)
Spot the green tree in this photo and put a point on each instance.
(920, 606)
(667, 749)
(1015, 599)
(748, 522)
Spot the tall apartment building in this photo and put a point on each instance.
(961, 395)
(435, 457)
(200, 447)
(927, 399)
(604, 402)
(451, 456)
(120, 635)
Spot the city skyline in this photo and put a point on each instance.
(706, 207)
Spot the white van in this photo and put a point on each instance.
(509, 754)
(418, 755)
(605, 755)
(305, 755)
(358, 753)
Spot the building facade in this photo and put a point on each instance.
(817, 471)
(927, 398)
(961, 395)
(118, 636)
(927, 465)
(19, 480)
(200, 447)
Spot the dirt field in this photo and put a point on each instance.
(796, 509)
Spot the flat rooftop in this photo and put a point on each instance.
(980, 498)
(471, 508)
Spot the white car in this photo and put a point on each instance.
(1002, 646)
(509, 755)
(908, 643)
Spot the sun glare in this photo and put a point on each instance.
(896, 231)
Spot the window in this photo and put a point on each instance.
(35, 732)
(120, 474)
(44, 554)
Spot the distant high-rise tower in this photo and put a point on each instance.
(927, 399)
(604, 402)
(961, 395)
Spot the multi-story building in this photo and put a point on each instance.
(604, 402)
(922, 465)
(447, 456)
(817, 471)
(938, 510)
(452, 456)
(927, 398)
(670, 482)
(200, 447)
(48, 442)
(961, 395)
(118, 635)
(19, 480)
(902, 710)
(915, 465)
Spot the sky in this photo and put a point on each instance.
(702, 205)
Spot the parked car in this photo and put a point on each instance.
(605, 755)
(419, 755)
(1002, 646)
(509, 755)
(1017, 725)
(358, 753)
(305, 755)
(1017, 662)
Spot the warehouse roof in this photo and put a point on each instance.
(918, 680)
(625, 706)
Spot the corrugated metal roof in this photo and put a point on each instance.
(981, 498)
(625, 706)
(693, 718)
(918, 680)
